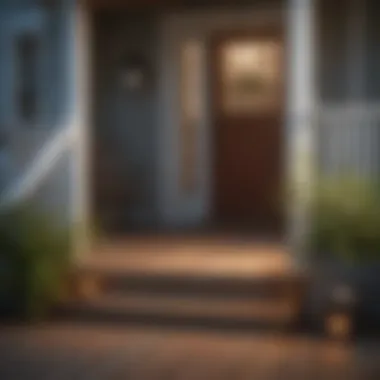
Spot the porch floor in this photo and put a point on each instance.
(196, 255)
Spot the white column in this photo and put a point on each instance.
(300, 120)
(79, 48)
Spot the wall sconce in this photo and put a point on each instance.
(134, 72)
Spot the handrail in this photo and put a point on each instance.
(40, 167)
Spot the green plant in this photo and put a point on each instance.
(36, 255)
(346, 219)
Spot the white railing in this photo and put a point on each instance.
(349, 139)
(42, 164)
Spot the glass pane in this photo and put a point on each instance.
(26, 77)
(251, 76)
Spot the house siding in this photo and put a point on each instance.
(348, 119)
(136, 123)
(124, 122)
(332, 51)
(24, 142)
(53, 196)
(373, 49)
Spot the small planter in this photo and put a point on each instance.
(345, 239)
(344, 297)
(34, 259)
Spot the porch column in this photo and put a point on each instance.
(79, 105)
(301, 112)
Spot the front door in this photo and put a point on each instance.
(247, 81)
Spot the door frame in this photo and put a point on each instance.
(198, 26)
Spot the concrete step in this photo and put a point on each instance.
(215, 280)
(123, 296)
(286, 285)
(179, 308)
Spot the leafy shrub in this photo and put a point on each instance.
(346, 215)
(34, 255)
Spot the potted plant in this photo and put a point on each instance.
(34, 259)
(345, 245)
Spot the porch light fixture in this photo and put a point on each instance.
(134, 72)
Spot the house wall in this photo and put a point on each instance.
(53, 194)
(148, 127)
(24, 143)
(337, 44)
(125, 122)
(332, 51)
(373, 49)
(349, 82)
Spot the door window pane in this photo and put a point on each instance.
(251, 74)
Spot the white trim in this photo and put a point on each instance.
(81, 80)
(176, 28)
(301, 113)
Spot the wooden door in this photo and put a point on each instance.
(247, 78)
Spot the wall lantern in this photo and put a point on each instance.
(135, 72)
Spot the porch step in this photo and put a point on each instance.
(203, 284)
(183, 309)
(130, 296)
(188, 280)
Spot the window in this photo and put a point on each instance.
(26, 77)
(251, 76)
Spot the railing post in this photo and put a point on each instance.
(301, 104)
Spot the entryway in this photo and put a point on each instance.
(200, 142)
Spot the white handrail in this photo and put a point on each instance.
(40, 167)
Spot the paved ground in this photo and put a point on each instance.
(73, 352)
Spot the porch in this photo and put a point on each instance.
(328, 123)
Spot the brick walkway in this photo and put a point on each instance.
(75, 352)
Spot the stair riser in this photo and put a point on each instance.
(169, 319)
(227, 288)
